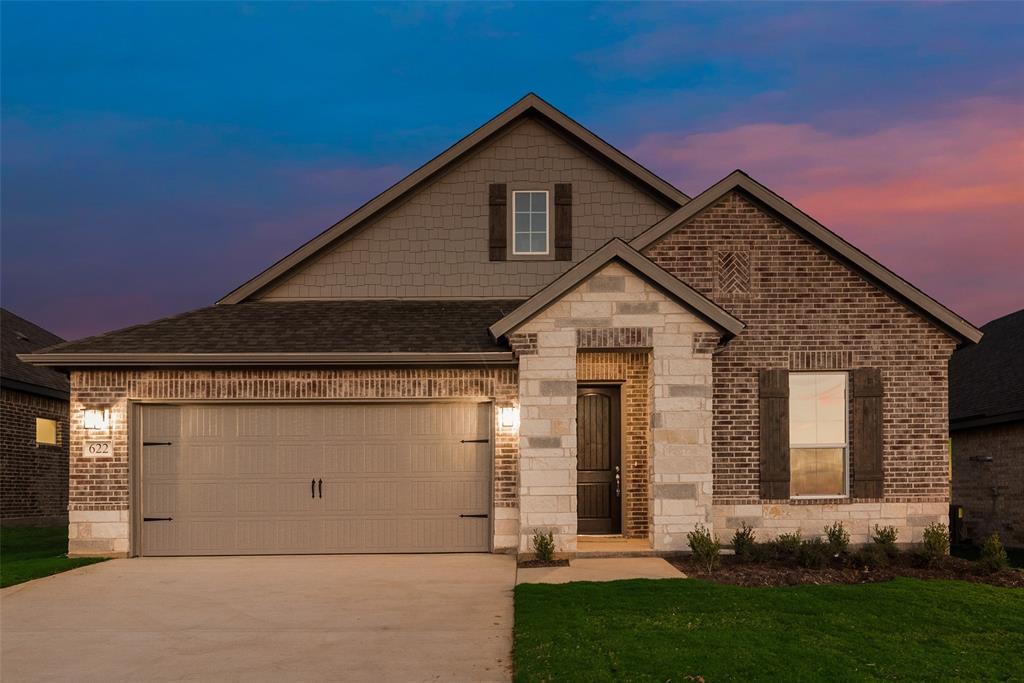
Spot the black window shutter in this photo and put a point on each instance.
(497, 197)
(773, 393)
(563, 221)
(868, 474)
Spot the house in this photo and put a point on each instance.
(986, 422)
(531, 331)
(34, 432)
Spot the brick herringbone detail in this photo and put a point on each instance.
(733, 272)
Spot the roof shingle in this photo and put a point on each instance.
(986, 380)
(18, 335)
(381, 326)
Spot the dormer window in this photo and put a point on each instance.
(530, 223)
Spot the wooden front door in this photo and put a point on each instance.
(598, 461)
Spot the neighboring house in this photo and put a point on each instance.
(986, 421)
(531, 331)
(33, 429)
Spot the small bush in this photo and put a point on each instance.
(705, 547)
(743, 542)
(935, 543)
(787, 546)
(544, 545)
(871, 556)
(993, 554)
(885, 537)
(838, 538)
(814, 553)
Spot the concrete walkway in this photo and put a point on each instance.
(313, 618)
(602, 569)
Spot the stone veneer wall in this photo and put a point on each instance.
(633, 370)
(680, 437)
(988, 480)
(804, 310)
(100, 489)
(33, 477)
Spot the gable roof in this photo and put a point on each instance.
(819, 234)
(986, 380)
(18, 335)
(319, 332)
(617, 250)
(530, 105)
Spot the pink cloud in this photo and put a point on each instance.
(940, 200)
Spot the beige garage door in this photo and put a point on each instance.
(340, 478)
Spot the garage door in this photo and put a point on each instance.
(341, 478)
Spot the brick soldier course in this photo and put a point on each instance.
(686, 304)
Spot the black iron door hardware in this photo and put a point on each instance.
(482, 516)
(321, 485)
(156, 443)
(312, 488)
(475, 441)
(157, 519)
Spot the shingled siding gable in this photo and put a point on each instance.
(435, 242)
(805, 308)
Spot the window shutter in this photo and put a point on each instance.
(773, 392)
(868, 474)
(497, 221)
(563, 221)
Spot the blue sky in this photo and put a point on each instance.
(154, 156)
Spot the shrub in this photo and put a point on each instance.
(935, 543)
(993, 554)
(786, 547)
(871, 556)
(743, 543)
(838, 538)
(885, 537)
(814, 553)
(705, 547)
(544, 545)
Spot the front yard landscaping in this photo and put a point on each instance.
(689, 630)
(28, 553)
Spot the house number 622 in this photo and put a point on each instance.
(97, 448)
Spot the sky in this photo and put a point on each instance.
(155, 156)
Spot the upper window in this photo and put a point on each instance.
(817, 434)
(530, 221)
(46, 431)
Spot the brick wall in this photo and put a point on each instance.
(804, 310)
(988, 480)
(434, 243)
(33, 477)
(633, 369)
(100, 489)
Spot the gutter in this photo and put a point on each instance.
(82, 360)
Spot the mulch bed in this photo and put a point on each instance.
(737, 573)
(530, 564)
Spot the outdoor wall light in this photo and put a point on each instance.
(96, 418)
(509, 416)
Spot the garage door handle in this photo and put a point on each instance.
(483, 516)
(312, 489)
(321, 484)
(157, 519)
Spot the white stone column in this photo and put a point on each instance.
(547, 440)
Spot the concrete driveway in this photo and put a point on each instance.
(313, 618)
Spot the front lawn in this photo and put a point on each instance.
(679, 630)
(28, 553)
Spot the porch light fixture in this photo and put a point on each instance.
(509, 417)
(96, 418)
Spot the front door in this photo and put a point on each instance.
(598, 461)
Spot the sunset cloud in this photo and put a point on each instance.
(940, 200)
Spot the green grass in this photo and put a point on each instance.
(906, 629)
(28, 553)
